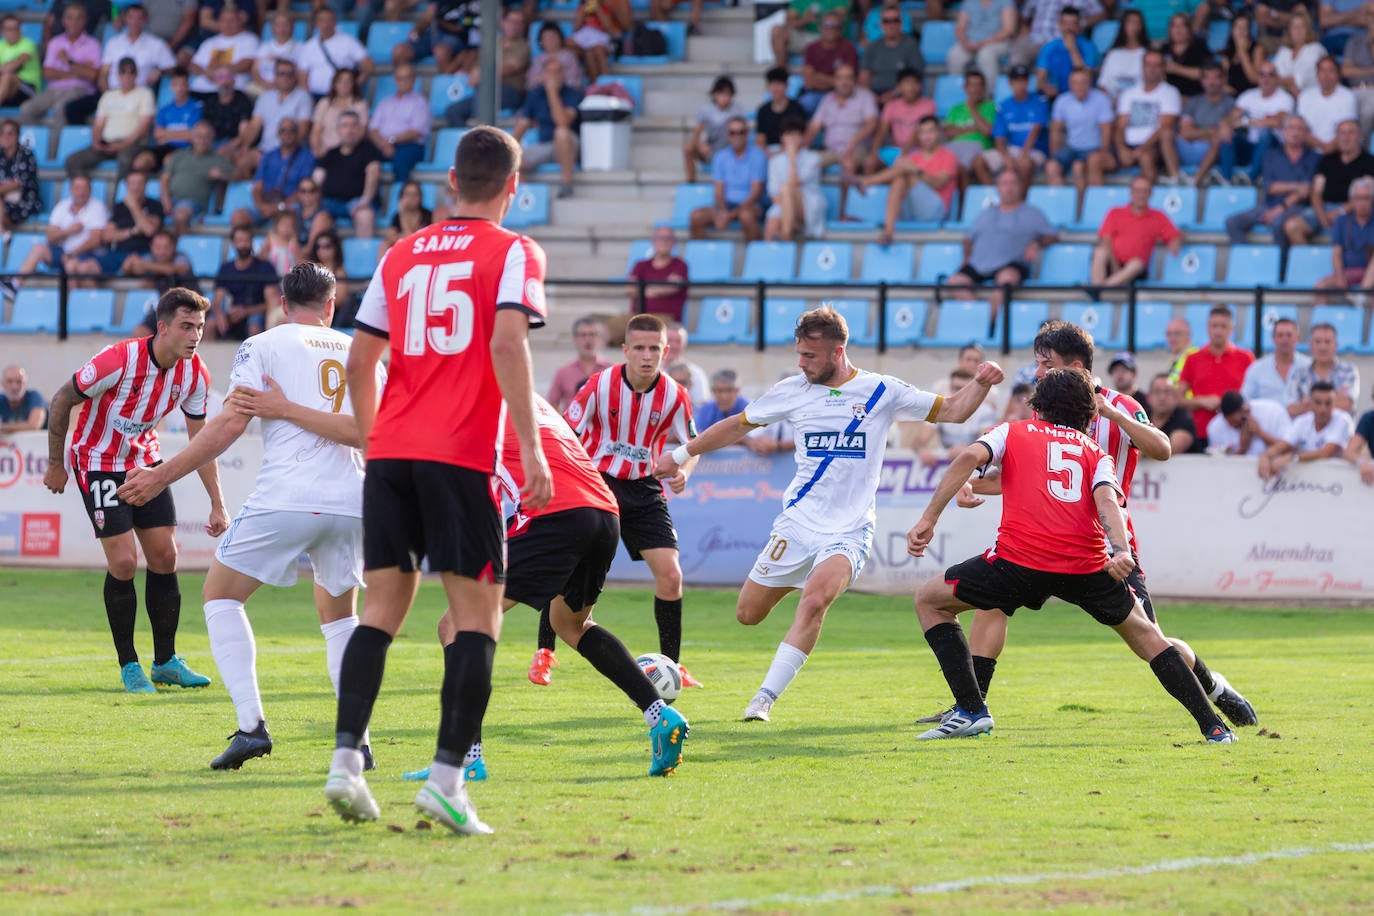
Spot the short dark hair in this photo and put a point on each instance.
(1231, 401)
(1221, 310)
(1322, 386)
(931, 119)
(1322, 326)
(484, 161)
(961, 374)
(1065, 397)
(791, 124)
(308, 285)
(776, 75)
(1208, 65)
(723, 84)
(975, 72)
(179, 73)
(908, 73)
(646, 322)
(1279, 321)
(1067, 340)
(1070, 11)
(825, 323)
(1021, 388)
(178, 298)
(550, 27)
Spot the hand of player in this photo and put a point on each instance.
(219, 521)
(966, 498)
(919, 537)
(989, 374)
(665, 466)
(140, 485)
(55, 477)
(678, 482)
(1106, 410)
(1120, 564)
(270, 404)
(538, 488)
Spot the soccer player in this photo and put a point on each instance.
(823, 536)
(128, 388)
(1062, 534)
(453, 303)
(623, 415)
(1123, 430)
(308, 498)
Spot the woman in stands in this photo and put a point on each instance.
(1184, 54)
(18, 178)
(411, 216)
(552, 44)
(1297, 60)
(328, 251)
(1242, 55)
(344, 95)
(596, 26)
(1121, 68)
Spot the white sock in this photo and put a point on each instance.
(446, 776)
(348, 760)
(473, 755)
(654, 712)
(336, 636)
(236, 655)
(786, 663)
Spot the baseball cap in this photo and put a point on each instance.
(1122, 359)
(1018, 73)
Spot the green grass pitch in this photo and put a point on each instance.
(1094, 792)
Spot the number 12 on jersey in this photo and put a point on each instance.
(428, 291)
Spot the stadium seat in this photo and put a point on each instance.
(888, 263)
(205, 253)
(445, 143)
(1193, 266)
(1248, 266)
(382, 37)
(1097, 201)
(20, 244)
(640, 250)
(963, 321)
(1179, 204)
(90, 310)
(826, 262)
(634, 85)
(1196, 313)
(1219, 203)
(47, 193)
(444, 90)
(674, 35)
(1307, 264)
(360, 256)
(868, 208)
(1347, 320)
(722, 320)
(35, 310)
(298, 33)
(348, 27)
(1104, 33)
(1064, 265)
(1001, 89)
(1026, 319)
(938, 259)
(137, 303)
(1150, 321)
(937, 37)
(1098, 319)
(428, 197)
(1218, 35)
(530, 207)
(780, 320)
(977, 198)
(771, 262)
(1273, 313)
(905, 322)
(154, 191)
(383, 86)
(238, 195)
(1059, 204)
(949, 91)
(38, 138)
(856, 314)
(687, 198)
(71, 140)
(709, 260)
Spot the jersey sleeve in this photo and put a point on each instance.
(583, 407)
(196, 402)
(684, 427)
(522, 281)
(1104, 474)
(908, 400)
(995, 441)
(247, 371)
(1129, 405)
(773, 405)
(101, 373)
(372, 314)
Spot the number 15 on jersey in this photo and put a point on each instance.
(429, 292)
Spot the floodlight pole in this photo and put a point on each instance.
(488, 59)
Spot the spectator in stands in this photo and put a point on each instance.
(1020, 133)
(1018, 404)
(1004, 243)
(514, 70)
(1357, 68)
(1340, 20)
(1061, 56)
(281, 48)
(229, 112)
(553, 44)
(884, 60)
(278, 175)
(163, 268)
(1331, 186)
(822, 58)
(936, 442)
(589, 337)
(247, 10)
(983, 30)
(283, 101)
(1127, 239)
(899, 118)
(1169, 415)
(245, 290)
(1214, 370)
(349, 176)
(281, 247)
(1242, 55)
(1123, 372)
(1321, 433)
(968, 126)
(1327, 104)
(1245, 427)
(21, 64)
(1286, 175)
(872, 28)
(700, 385)
(328, 50)
(1184, 54)
(1147, 118)
(411, 215)
(739, 172)
(1122, 64)
(921, 183)
(191, 175)
(70, 65)
(232, 47)
(803, 24)
(596, 26)
(1206, 132)
(708, 137)
(1178, 341)
(1344, 377)
(725, 401)
(794, 186)
(97, 14)
(149, 52)
(1040, 25)
(1271, 377)
(662, 272)
(400, 124)
(123, 123)
(22, 408)
(174, 21)
(1262, 112)
(18, 179)
(778, 107)
(1357, 450)
(172, 127)
(344, 96)
(849, 117)
(1081, 131)
(551, 109)
(74, 229)
(1296, 61)
(1352, 234)
(312, 218)
(660, 10)
(130, 231)
(679, 373)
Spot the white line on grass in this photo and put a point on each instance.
(963, 884)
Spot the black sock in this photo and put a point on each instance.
(162, 596)
(360, 680)
(547, 637)
(1173, 672)
(121, 607)
(951, 651)
(1204, 674)
(983, 667)
(608, 655)
(463, 698)
(668, 616)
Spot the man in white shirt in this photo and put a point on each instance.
(123, 124)
(292, 376)
(1325, 105)
(1272, 376)
(232, 47)
(1262, 112)
(1146, 121)
(329, 50)
(74, 229)
(1244, 427)
(151, 53)
(1320, 433)
(822, 538)
(284, 100)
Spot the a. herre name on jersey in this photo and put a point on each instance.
(837, 445)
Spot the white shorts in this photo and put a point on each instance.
(266, 544)
(793, 551)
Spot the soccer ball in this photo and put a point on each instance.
(663, 674)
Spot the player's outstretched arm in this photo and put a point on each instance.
(510, 359)
(361, 374)
(959, 406)
(273, 404)
(208, 442)
(1120, 563)
(1152, 442)
(59, 419)
(956, 475)
(720, 434)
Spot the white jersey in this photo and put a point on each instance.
(841, 437)
(302, 472)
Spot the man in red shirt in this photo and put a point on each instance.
(1062, 535)
(662, 272)
(1128, 236)
(589, 336)
(1217, 368)
(128, 388)
(453, 304)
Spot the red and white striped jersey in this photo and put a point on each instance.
(128, 394)
(624, 430)
(1122, 450)
(576, 483)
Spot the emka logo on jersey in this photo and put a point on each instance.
(837, 445)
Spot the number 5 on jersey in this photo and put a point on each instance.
(428, 291)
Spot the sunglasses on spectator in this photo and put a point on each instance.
(896, 21)
(736, 132)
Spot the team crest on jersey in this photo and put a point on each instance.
(837, 445)
(575, 411)
(100, 519)
(87, 373)
(655, 416)
(860, 411)
(176, 392)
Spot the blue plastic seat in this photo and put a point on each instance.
(38, 138)
(893, 263)
(905, 322)
(1001, 89)
(639, 250)
(1150, 321)
(1104, 34)
(976, 199)
(137, 303)
(444, 90)
(1026, 319)
(1218, 35)
(1098, 319)
(1064, 265)
(445, 144)
(709, 260)
(1194, 265)
(1248, 266)
(722, 319)
(634, 85)
(937, 37)
(1179, 204)
(205, 252)
(963, 321)
(71, 140)
(868, 208)
(857, 314)
(780, 320)
(1307, 264)
(689, 197)
(1097, 200)
(1273, 313)
(298, 33)
(826, 262)
(19, 247)
(1059, 204)
(348, 27)
(949, 91)
(1219, 203)
(1346, 319)
(772, 262)
(90, 310)
(938, 259)
(238, 195)
(428, 196)
(530, 207)
(382, 37)
(360, 256)
(35, 311)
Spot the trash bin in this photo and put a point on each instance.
(605, 133)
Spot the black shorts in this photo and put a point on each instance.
(979, 279)
(428, 509)
(1136, 580)
(565, 554)
(644, 520)
(995, 583)
(111, 515)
